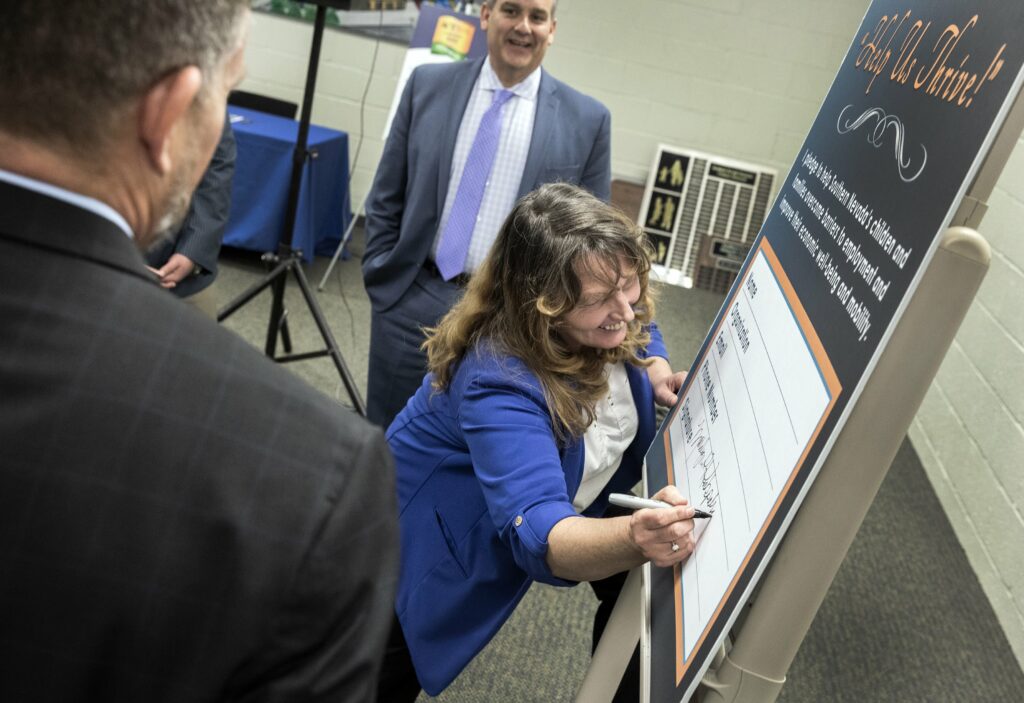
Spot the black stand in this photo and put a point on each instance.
(289, 260)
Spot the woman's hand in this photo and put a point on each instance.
(665, 383)
(587, 549)
(664, 536)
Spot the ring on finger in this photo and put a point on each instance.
(675, 547)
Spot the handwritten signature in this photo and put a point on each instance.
(709, 466)
(884, 123)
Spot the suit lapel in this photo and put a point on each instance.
(454, 102)
(543, 127)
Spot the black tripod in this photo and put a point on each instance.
(288, 259)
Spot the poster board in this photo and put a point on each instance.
(917, 101)
(441, 36)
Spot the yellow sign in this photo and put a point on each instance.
(452, 37)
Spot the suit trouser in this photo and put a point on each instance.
(397, 362)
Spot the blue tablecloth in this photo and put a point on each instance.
(263, 171)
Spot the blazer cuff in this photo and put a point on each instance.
(656, 347)
(198, 253)
(528, 532)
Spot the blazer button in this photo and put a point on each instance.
(519, 520)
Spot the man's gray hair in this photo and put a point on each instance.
(67, 67)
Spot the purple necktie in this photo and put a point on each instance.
(454, 245)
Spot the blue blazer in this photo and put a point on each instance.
(481, 482)
(571, 142)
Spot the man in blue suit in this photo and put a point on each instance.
(548, 132)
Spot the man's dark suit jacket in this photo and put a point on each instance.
(180, 520)
(202, 232)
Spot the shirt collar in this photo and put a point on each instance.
(526, 88)
(77, 199)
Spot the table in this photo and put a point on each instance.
(259, 192)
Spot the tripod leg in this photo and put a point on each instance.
(332, 346)
(287, 257)
(250, 293)
(286, 338)
(276, 314)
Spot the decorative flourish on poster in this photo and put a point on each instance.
(876, 137)
(945, 72)
(855, 265)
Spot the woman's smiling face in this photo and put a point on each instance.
(604, 311)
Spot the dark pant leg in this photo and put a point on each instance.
(397, 364)
(397, 682)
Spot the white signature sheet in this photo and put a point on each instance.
(733, 455)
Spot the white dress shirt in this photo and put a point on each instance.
(509, 161)
(606, 440)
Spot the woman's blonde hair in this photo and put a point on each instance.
(517, 299)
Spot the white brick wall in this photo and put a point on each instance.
(969, 431)
(744, 78)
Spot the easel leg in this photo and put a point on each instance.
(621, 636)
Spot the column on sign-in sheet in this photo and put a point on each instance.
(741, 431)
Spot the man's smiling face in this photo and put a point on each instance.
(519, 33)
